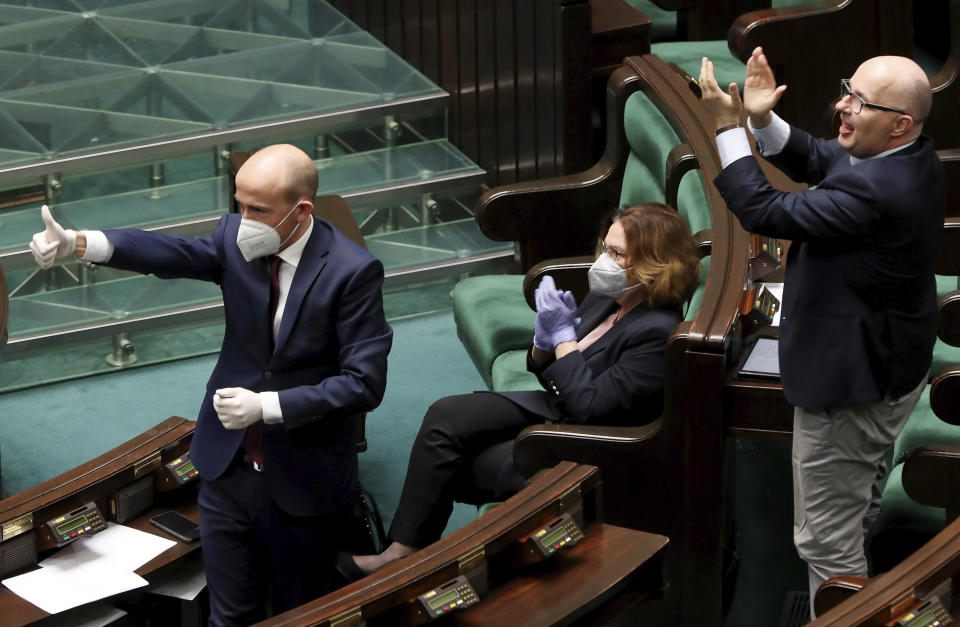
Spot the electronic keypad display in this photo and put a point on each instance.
(561, 533)
(83, 521)
(182, 469)
(456, 594)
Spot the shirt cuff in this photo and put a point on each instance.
(99, 248)
(270, 406)
(732, 145)
(773, 137)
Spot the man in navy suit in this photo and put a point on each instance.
(859, 311)
(304, 350)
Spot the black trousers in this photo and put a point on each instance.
(464, 453)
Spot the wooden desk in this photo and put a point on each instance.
(756, 409)
(15, 611)
(610, 562)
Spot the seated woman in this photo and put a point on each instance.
(599, 364)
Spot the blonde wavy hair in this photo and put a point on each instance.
(661, 252)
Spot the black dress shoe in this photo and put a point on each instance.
(348, 568)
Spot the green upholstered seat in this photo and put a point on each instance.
(492, 317)
(903, 524)
(688, 55)
(510, 373)
(664, 23)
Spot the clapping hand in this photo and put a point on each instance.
(724, 106)
(760, 91)
(556, 316)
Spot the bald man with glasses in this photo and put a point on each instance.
(859, 313)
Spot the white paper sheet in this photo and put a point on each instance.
(89, 569)
(55, 588)
(125, 548)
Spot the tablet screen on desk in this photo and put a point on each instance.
(762, 360)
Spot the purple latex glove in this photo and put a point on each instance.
(556, 316)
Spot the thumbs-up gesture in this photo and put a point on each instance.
(53, 243)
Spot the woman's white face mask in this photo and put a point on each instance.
(608, 278)
(256, 239)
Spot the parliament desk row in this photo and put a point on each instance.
(610, 573)
(514, 572)
(129, 484)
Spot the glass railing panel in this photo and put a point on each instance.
(18, 14)
(390, 166)
(56, 5)
(36, 36)
(432, 244)
(40, 73)
(15, 139)
(115, 300)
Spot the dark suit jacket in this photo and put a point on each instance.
(329, 360)
(617, 380)
(859, 311)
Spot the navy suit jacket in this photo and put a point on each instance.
(329, 361)
(617, 380)
(859, 312)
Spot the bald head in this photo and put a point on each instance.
(901, 83)
(284, 167)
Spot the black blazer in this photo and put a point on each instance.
(859, 313)
(329, 359)
(617, 380)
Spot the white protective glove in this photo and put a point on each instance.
(238, 408)
(52, 243)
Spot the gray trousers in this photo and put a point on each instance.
(839, 464)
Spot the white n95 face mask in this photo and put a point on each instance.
(608, 278)
(256, 239)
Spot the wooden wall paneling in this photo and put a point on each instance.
(548, 104)
(506, 109)
(527, 15)
(575, 79)
(486, 88)
(448, 61)
(430, 38)
(467, 121)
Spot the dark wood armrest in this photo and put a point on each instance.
(543, 446)
(704, 240)
(931, 475)
(569, 273)
(948, 261)
(836, 590)
(945, 395)
(680, 161)
(949, 325)
(950, 159)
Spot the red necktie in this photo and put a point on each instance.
(253, 438)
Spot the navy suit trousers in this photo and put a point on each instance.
(253, 551)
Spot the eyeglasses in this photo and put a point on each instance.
(859, 103)
(615, 253)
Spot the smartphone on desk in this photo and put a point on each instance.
(177, 525)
